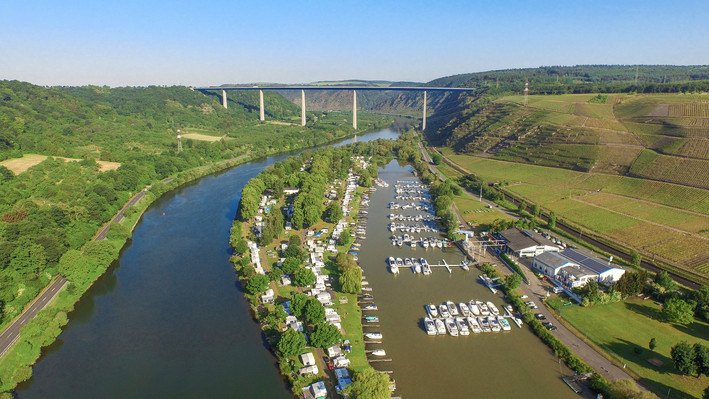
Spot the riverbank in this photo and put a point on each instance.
(41, 332)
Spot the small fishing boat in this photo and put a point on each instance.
(370, 307)
(371, 319)
(379, 352)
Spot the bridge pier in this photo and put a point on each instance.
(423, 127)
(224, 98)
(302, 108)
(354, 109)
(262, 116)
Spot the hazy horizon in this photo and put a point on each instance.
(179, 43)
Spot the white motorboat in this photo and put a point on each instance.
(417, 265)
(452, 308)
(432, 310)
(483, 308)
(462, 326)
(508, 309)
(464, 310)
(379, 352)
(440, 326)
(474, 325)
(493, 309)
(517, 321)
(494, 325)
(430, 326)
(484, 325)
(504, 323)
(374, 335)
(451, 327)
(371, 319)
(399, 262)
(370, 307)
(474, 308)
(443, 309)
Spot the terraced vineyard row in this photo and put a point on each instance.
(689, 109)
(692, 172)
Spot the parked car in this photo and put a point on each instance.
(540, 316)
(551, 328)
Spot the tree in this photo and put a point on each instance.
(304, 278)
(631, 283)
(257, 283)
(292, 343)
(297, 304)
(513, 281)
(333, 212)
(325, 335)
(437, 158)
(290, 265)
(293, 251)
(635, 258)
(294, 239)
(701, 358)
(536, 210)
(683, 357)
(522, 206)
(275, 273)
(552, 220)
(351, 280)
(678, 311)
(653, 344)
(241, 247)
(369, 384)
(665, 281)
(314, 311)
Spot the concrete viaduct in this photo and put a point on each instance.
(424, 89)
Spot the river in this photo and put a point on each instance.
(168, 320)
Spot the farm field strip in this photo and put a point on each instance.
(19, 165)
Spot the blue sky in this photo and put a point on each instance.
(137, 43)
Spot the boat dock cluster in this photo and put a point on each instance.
(461, 319)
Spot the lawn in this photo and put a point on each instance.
(624, 329)
(477, 212)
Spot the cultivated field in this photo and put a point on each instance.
(625, 328)
(19, 165)
(477, 213)
(665, 221)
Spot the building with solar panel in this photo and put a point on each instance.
(573, 268)
(526, 243)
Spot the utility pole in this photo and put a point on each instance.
(179, 140)
(526, 92)
(637, 69)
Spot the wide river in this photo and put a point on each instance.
(168, 320)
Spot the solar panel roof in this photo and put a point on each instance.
(585, 260)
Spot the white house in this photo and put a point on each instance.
(526, 243)
(307, 359)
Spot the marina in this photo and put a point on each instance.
(403, 324)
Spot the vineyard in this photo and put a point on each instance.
(695, 148)
(692, 172)
(689, 109)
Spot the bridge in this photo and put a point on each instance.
(262, 115)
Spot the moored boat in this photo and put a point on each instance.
(451, 327)
(493, 309)
(440, 326)
(474, 325)
(371, 319)
(474, 308)
(370, 307)
(484, 325)
(373, 335)
(483, 308)
(432, 310)
(430, 326)
(494, 325)
(379, 352)
(464, 310)
(452, 308)
(504, 323)
(444, 311)
(462, 326)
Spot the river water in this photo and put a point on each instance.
(169, 320)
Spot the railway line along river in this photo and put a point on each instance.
(168, 320)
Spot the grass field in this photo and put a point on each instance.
(624, 329)
(666, 221)
(19, 165)
(476, 212)
(202, 137)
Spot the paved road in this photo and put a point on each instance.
(120, 215)
(537, 292)
(12, 332)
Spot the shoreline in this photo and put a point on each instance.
(17, 367)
